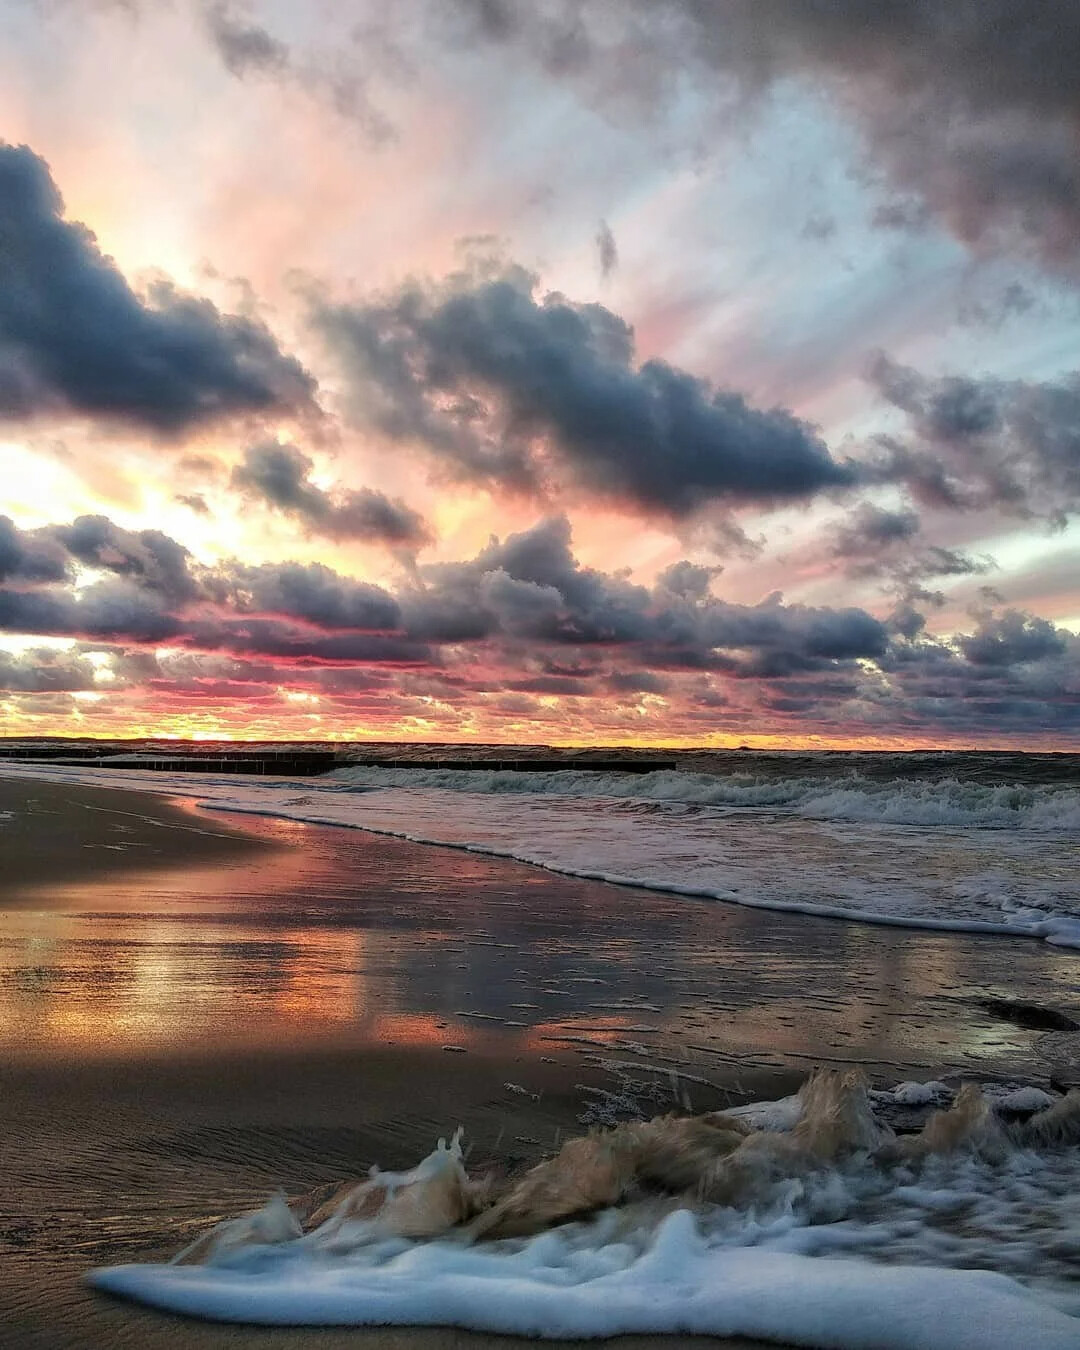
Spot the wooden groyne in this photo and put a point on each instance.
(294, 765)
(281, 764)
(294, 761)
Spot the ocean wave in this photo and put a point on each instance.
(922, 802)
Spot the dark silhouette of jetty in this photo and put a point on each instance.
(301, 761)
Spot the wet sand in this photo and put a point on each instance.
(51, 832)
(246, 1006)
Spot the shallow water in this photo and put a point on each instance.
(959, 854)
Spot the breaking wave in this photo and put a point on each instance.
(924, 802)
(809, 1221)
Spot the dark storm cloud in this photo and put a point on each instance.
(522, 595)
(342, 680)
(687, 579)
(1015, 674)
(525, 618)
(279, 474)
(534, 393)
(1010, 445)
(638, 682)
(871, 528)
(30, 555)
(551, 684)
(531, 587)
(155, 560)
(299, 643)
(41, 671)
(970, 110)
(119, 612)
(148, 589)
(791, 636)
(307, 591)
(518, 597)
(1011, 639)
(935, 561)
(189, 672)
(876, 542)
(74, 336)
(113, 610)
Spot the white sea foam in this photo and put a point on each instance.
(776, 1116)
(1009, 1098)
(923, 1094)
(971, 1247)
(553, 1287)
(1018, 876)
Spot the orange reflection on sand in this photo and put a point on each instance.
(604, 1031)
(418, 1029)
(72, 985)
(326, 982)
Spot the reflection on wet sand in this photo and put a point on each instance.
(353, 939)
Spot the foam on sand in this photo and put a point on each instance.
(833, 1234)
(678, 1284)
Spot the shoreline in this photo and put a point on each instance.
(743, 878)
(970, 927)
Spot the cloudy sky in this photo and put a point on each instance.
(655, 371)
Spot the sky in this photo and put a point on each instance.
(659, 372)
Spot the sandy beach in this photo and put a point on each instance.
(69, 833)
(199, 1009)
